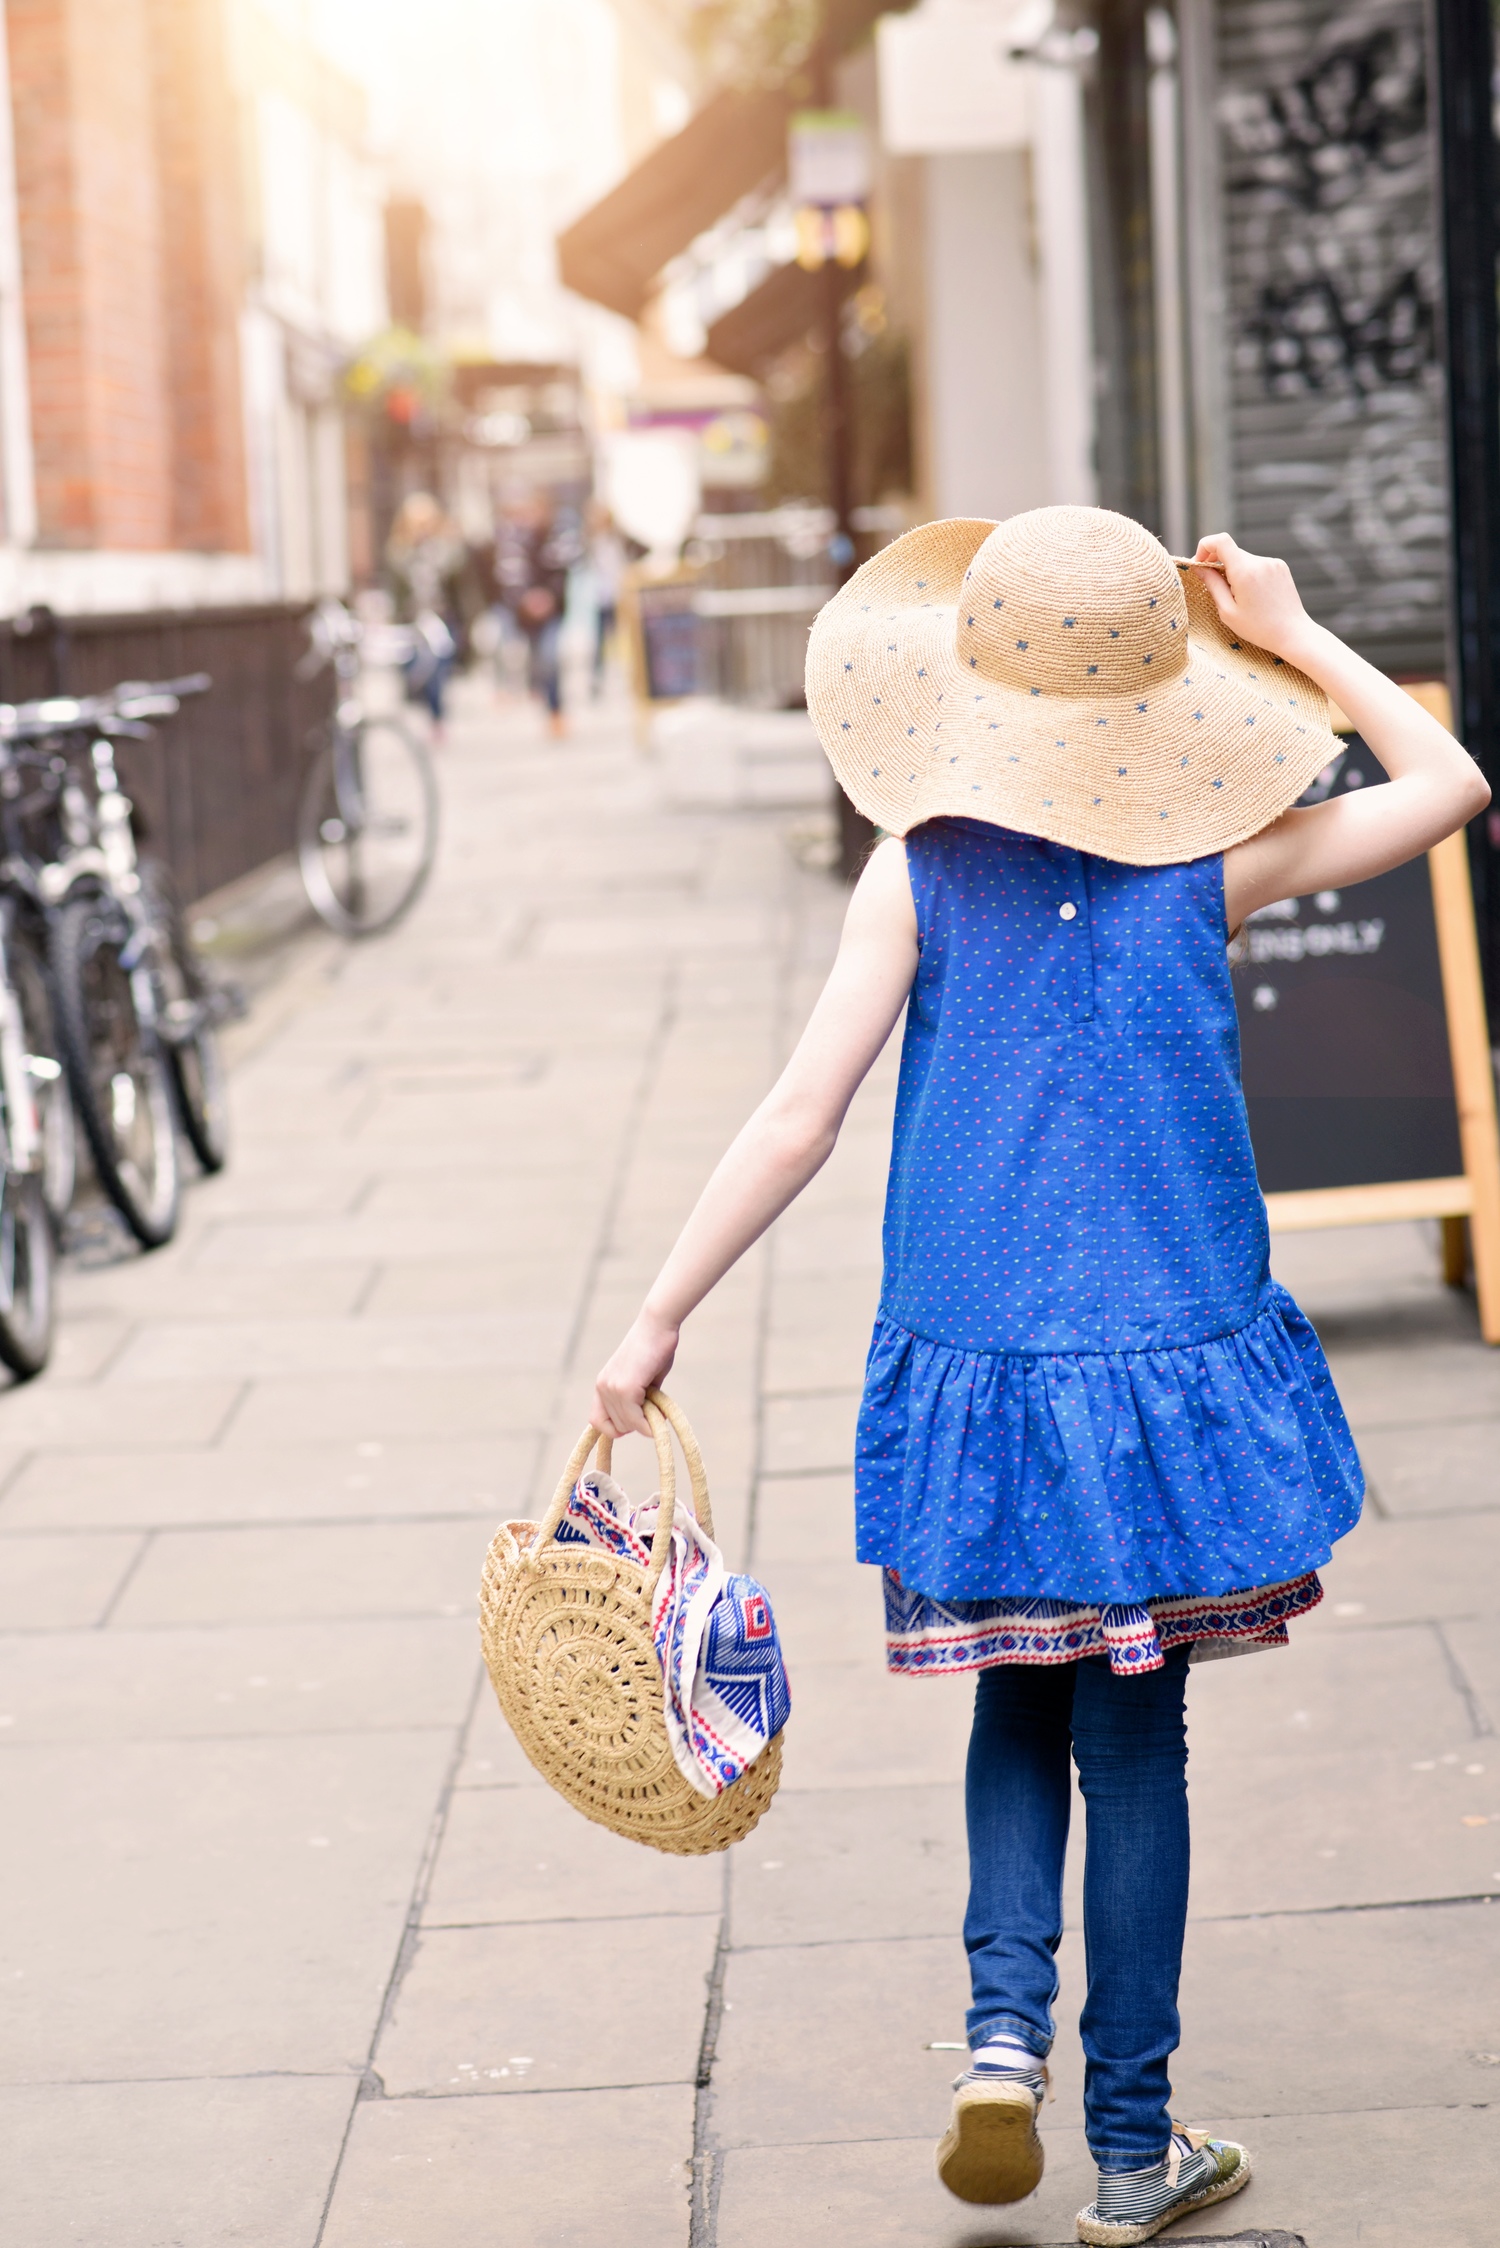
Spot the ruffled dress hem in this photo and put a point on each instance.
(1139, 1481)
(932, 1638)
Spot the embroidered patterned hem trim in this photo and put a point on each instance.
(927, 1637)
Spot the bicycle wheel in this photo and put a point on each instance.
(188, 1027)
(202, 1091)
(28, 1255)
(367, 827)
(117, 1069)
(24, 951)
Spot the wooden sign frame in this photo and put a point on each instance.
(630, 625)
(1468, 1205)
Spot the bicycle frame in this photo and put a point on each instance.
(342, 816)
(18, 1070)
(93, 842)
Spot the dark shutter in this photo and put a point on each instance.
(1332, 263)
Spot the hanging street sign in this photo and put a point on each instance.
(829, 174)
(828, 158)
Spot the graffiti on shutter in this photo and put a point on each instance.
(1333, 270)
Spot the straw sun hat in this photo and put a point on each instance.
(1058, 674)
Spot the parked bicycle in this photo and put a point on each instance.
(368, 824)
(95, 935)
(36, 1145)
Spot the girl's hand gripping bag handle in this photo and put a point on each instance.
(641, 1678)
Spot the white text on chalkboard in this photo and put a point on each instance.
(1323, 938)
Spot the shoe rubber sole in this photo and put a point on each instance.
(990, 2151)
(1100, 2234)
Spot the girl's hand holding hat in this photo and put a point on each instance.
(1256, 597)
(1433, 784)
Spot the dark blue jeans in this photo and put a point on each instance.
(1129, 1740)
(543, 673)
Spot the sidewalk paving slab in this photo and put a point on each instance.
(230, 1681)
(208, 1929)
(839, 1865)
(83, 1417)
(587, 2003)
(858, 1727)
(1437, 1466)
(367, 1479)
(809, 1435)
(563, 2170)
(804, 1518)
(52, 1583)
(303, 1570)
(528, 1340)
(241, 2162)
(130, 1290)
(361, 1407)
(505, 1862)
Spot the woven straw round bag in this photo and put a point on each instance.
(566, 1631)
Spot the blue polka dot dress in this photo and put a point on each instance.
(1092, 1422)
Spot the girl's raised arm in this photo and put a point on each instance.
(788, 1139)
(1434, 786)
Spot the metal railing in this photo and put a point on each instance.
(757, 581)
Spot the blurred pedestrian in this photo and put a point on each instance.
(1098, 1440)
(607, 566)
(534, 557)
(424, 558)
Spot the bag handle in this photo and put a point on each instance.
(663, 1417)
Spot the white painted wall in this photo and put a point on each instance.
(987, 437)
(329, 498)
(319, 297)
(1066, 315)
(947, 81)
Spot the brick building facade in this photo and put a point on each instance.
(131, 270)
(151, 424)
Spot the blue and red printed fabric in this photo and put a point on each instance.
(724, 1685)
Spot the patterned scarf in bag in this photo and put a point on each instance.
(725, 1692)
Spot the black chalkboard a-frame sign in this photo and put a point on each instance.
(1365, 1051)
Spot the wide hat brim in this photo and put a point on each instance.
(1206, 759)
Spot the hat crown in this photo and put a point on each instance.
(1073, 601)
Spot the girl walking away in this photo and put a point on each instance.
(1098, 1442)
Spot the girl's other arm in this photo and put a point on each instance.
(788, 1139)
(1434, 784)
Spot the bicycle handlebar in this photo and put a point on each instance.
(335, 633)
(192, 683)
(130, 701)
(332, 630)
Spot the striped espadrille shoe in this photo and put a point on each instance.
(990, 2151)
(1134, 2205)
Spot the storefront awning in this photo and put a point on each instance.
(735, 142)
(787, 305)
(615, 251)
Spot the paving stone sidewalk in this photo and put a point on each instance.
(297, 1952)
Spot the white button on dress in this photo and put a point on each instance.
(1067, 911)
